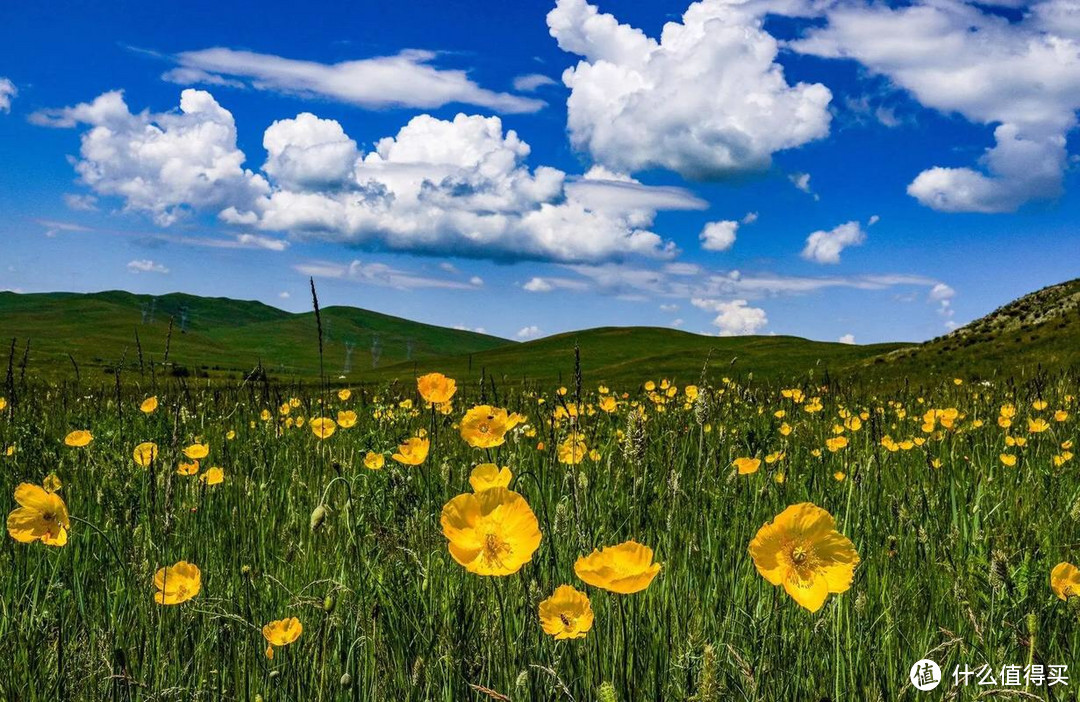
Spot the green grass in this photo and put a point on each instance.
(955, 559)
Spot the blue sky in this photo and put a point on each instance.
(831, 170)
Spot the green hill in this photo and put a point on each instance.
(634, 354)
(217, 336)
(1039, 330)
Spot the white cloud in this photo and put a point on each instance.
(801, 181)
(943, 295)
(669, 308)
(7, 92)
(406, 79)
(377, 274)
(160, 164)
(532, 81)
(735, 318)
(825, 246)
(80, 203)
(543, 285)
(145, 265)
(53, 227)
(475, 330)
(1022, 76)
(847, 339)
(438, 186)
(719, 236)
(707, 100)
(284, 294)
(529, 332)
(476, 281)
(750, 218)
(874, 219)
(941, 291)
(538, 285)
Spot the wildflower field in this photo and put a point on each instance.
(673, 539)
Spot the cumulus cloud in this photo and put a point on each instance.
(708, 100)
(145, 265)
(735, 317)
(160, 164)
(407, 79)
(438, 186)
(719, 236)
(825, 246)
(943, 295)
(1021, 76)
(847, 339)
(7, 92)
(529, 332)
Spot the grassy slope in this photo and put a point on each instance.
(630, 354)
(230, 335)
(1038, 330)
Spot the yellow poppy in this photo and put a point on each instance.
(802, 550)
(488, 475)
(323, 427)
(78, 438)
(374, 461)
(1008, 459)
(836, 443)
(1037, 425)
(573, 450)
(213, 476)
(485, 426)
(41, 516)
(493, 532)
(3, 404)
(625, 569)
(1065, 580)
(145, 453)
(281, 633)
(413, 452)
(746, 465)
(188, 468)
(346, 419)
(344, 394)
(149, 405)
(177, 583)
(436, 388)
(51, 483)
(197, 451)
(567, 614)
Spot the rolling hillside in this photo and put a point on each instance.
(633, 354)
(213, 335)
(1039, 330)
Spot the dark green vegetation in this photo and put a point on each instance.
(215, 336)
(218, 337)
(1037, 331)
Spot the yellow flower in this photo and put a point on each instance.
(51, 483)
(747, 465)
(1061, 416)
(1065, 580)
(839, 476)
(1038, 405)
(230, 435)
(149, 405)
(485, 426)
(625, 569)
(213, 476)
(3, 404)
(374, 461)
(197, 451)
(567, 614)
(836, 443)
(41, 516)
(785, 429)
(572, 450)
(281, 632)
(608, 404)
(413, 452)
(78, 438)
(177, 583)
(346, 419)
(323, 427)
(802, 550)
(436, 388)
(145, 453)
(265, 415)
(488, 475)
(493, 532)
(1008, 459)
(344, 394)
(188, 468)
(1037, 425)
(10, 451)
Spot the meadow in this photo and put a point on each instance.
(937, 515)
